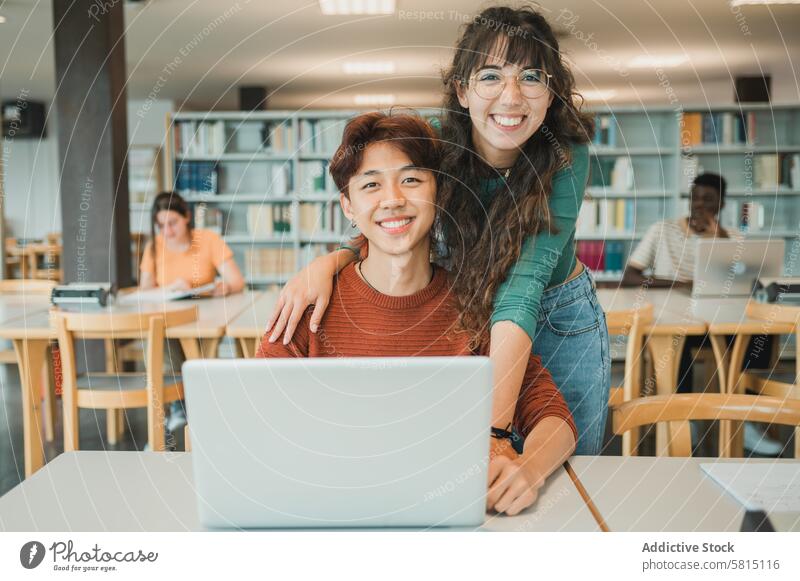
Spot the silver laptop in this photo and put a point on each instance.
(340, 442)
(727, 268)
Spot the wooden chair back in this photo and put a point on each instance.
(148, 326)
(679, 409)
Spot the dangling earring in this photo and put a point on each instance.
(353, 224)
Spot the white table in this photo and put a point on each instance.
(249, 326)
(639, 494)
(154, 491)
(32, 332)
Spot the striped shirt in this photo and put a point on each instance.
(668, 250)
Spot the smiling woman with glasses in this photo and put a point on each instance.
(512, 180)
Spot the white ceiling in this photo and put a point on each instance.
(296, 52)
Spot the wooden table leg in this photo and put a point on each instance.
(200, 348)
(31, 356)
(49, 383)
(666, 353)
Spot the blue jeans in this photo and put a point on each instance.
(572, 340)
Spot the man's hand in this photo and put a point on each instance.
(512, 486)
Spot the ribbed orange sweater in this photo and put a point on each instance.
(361, 322)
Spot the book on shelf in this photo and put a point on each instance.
(614, 173)
(751, 217)
(726, 128)
(199, 138)
(260, 220)
(320, 136)
(591, 253)
(614, 256)
(773, 171)
(208, 218)
(262, 262)
(196, 177)
(320, 218)
(282, 217)
(315, 178)
(605, 134)
(277, 137)
(280, 179)
(597, 217)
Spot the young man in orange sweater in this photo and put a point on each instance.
(395, 302)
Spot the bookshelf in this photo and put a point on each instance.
(261, 180)
(644, 159)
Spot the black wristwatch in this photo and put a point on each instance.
(516, 439)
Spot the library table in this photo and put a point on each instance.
(641, 494)
(154, 491)
(248, 328)
(32, 333)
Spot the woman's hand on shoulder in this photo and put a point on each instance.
(311, 286)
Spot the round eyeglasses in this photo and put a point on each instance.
(490, 83)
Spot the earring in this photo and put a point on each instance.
(353, 224)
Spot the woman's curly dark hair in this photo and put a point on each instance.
(481, 243)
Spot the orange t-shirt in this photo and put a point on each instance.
(198, 265)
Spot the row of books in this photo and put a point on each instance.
(321, 218)
(599, 255)
(725, 128)
(264, 220)
(203, 177)
(614, 173)
(605, 131)
(775, 170)
(260, 262)
(192, 138)
(320, 135)
(196, 177)
(314, 177)
(600, 216)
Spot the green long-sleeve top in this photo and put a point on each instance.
(546, 259)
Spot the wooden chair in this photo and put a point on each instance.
(112, 391)
(769, 382)
(679, 409)
(633, 323)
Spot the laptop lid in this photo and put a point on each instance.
(729, 267)
(340, 442)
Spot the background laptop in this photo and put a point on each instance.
(728, 268)
(340, 442)
(724, 273)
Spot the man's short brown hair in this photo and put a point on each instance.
(409, 133)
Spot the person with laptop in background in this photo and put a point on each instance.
(397, 303)
(667, 253)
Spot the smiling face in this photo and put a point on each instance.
(502, 124)
(173, 226)
(391, 201)
(706, 203)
